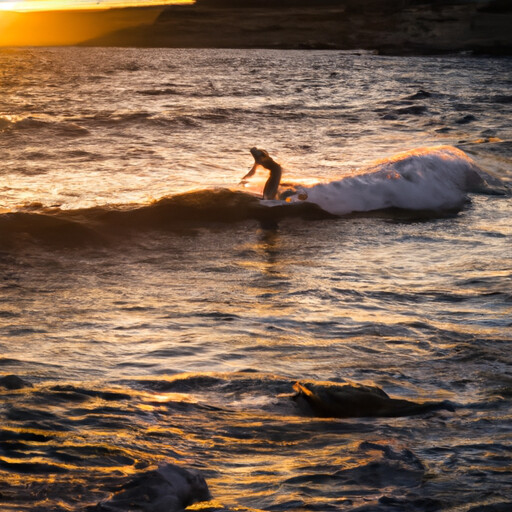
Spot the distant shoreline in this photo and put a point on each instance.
(385, 27)
(422, 29)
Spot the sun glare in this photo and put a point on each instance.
(64, 22)
(67, 27)
(67, 5)
(8, 6)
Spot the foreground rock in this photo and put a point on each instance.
(354, 401)
(13, 382)
(169, 488)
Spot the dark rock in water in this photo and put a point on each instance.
(496, 6)
(169, 488)
(353, 401)
(502, 98)
(420, 95)
(466, 119)
(13, 382)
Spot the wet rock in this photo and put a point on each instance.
(502, 98)
(12, 382)
(466, 119)
(420, 95)
(353, 401)
(169, 488)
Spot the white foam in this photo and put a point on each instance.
(436, 178)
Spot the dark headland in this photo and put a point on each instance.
(394, 27)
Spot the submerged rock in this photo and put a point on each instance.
(169, 488)
(469, 118)
(13, 382)
(355, 400)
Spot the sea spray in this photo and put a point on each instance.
(431, 179)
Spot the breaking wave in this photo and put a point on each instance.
(421, 182)
(427, 179)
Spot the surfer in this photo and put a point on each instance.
(262, 158)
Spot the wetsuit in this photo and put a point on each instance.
(261, 157)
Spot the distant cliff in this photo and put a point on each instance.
(403, 27)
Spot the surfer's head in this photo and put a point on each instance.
(259, 154)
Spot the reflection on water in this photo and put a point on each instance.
(174, 331)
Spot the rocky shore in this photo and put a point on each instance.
(402, 27)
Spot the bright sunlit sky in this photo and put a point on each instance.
(44, 5)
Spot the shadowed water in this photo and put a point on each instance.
(152, 327)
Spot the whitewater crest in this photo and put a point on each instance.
(428, 179)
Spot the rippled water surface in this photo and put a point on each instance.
(151, 327)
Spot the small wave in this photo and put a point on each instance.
(141, 119)
(120, 118)
(33, 123)
(159, 92)
(503, 99)
(193, 209)
(421, 94)
(388, 467)
(413, 110)
(232, 383)
(17, 227)
(130, 66)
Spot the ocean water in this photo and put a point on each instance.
(167, 326)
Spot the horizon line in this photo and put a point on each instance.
(53, 6)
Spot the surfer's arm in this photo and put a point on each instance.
(250, 173)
